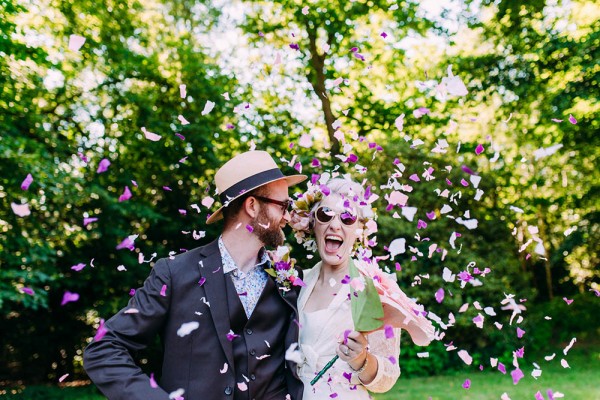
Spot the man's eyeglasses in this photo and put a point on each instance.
(325, 214)
(285, 205)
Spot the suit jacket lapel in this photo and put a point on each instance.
(211, 268)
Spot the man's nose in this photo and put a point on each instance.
(286, 216)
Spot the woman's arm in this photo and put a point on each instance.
(383, 356)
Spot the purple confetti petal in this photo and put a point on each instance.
(87, 221)
(517, 375)
(126, 195)
(69, 297)
(153, 383)
(26, 182)
(572, 119)
(352, 158)
(479, 149)
(28, 291)
(467, 170)
(163, 291)
(439, 295)
(103, 165)
(346, 334)
(100, 332)
(78, 267)
(466, 384)
(389, 331)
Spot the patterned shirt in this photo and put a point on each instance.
(249, 285)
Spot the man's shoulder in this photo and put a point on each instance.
(192, 256)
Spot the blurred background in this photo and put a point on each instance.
(311, 82)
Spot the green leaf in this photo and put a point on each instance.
(271, 272)
(367, 311)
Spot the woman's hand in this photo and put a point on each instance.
(354, 351)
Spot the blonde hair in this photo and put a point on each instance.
(346, 188)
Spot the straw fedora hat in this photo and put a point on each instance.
(245, 172)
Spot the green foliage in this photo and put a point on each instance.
(522, 69)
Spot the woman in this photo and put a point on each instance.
(367, 362)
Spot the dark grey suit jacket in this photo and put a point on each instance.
(194, 362)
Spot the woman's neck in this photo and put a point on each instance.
(336, 272)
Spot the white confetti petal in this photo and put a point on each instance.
(187, 328)
(464, 355)
(398, 246)
(150, 135)
(75, 42)
(208, 107)
(21, 210)
(409, 212)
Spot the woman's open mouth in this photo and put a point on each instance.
(333, 243)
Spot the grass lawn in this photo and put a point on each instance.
(581, 381)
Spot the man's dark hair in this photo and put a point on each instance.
(235, 206)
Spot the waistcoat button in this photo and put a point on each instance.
(253, 377)
(249, 331)
(228, 390)
(252, 352)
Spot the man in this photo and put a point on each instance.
(224, 324)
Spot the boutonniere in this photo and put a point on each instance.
(282, 269)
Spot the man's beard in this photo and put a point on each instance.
(268, 232)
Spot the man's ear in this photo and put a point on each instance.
(251, 206)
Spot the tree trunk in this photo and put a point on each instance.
(317, 79)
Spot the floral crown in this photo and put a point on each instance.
(302, 219)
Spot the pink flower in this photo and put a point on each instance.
(299, 222)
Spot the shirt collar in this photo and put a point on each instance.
(228, 262)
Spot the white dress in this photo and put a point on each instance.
(319, 333)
